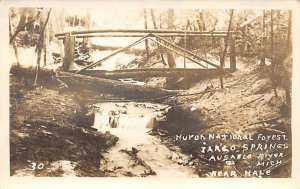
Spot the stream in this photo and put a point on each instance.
(138, 153)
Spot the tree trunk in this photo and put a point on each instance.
(170, 56)
(288, 47)
(39, 46)
(288, 42)
(14, 43)
(45, 51)
(86, 41)
(263, 42)
(158, 46)
(273, 62)
(232, 53)
(201, 23)
(146, 26)
(222, 62)
(22, 26)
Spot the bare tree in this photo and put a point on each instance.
(273, 62)
(263, 42)
(146, 26)
(170, 56)
(222, 60)
(22, 26)
(287, 56)
(39, 45)
(13, 43)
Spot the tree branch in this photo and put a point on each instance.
(22, 27)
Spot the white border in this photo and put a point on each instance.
(36, 182)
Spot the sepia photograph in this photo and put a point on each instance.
(154, 92)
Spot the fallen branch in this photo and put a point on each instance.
(265, 121)
(139, 161)
(253, 100)
(237, 171)
(274, 131)
(80, 82)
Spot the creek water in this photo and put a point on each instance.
(131, 122)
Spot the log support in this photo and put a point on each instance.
(69, 48)
(81, 83)
(154, 72)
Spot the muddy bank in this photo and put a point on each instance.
(51, 135)
(235, 111)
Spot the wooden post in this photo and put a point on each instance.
(232, 53)
(69, 46)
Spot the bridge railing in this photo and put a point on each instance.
(69, 43)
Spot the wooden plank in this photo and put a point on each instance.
(155, 31)
(140, 35)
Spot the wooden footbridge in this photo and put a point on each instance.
(157, 36)
(160, 37)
